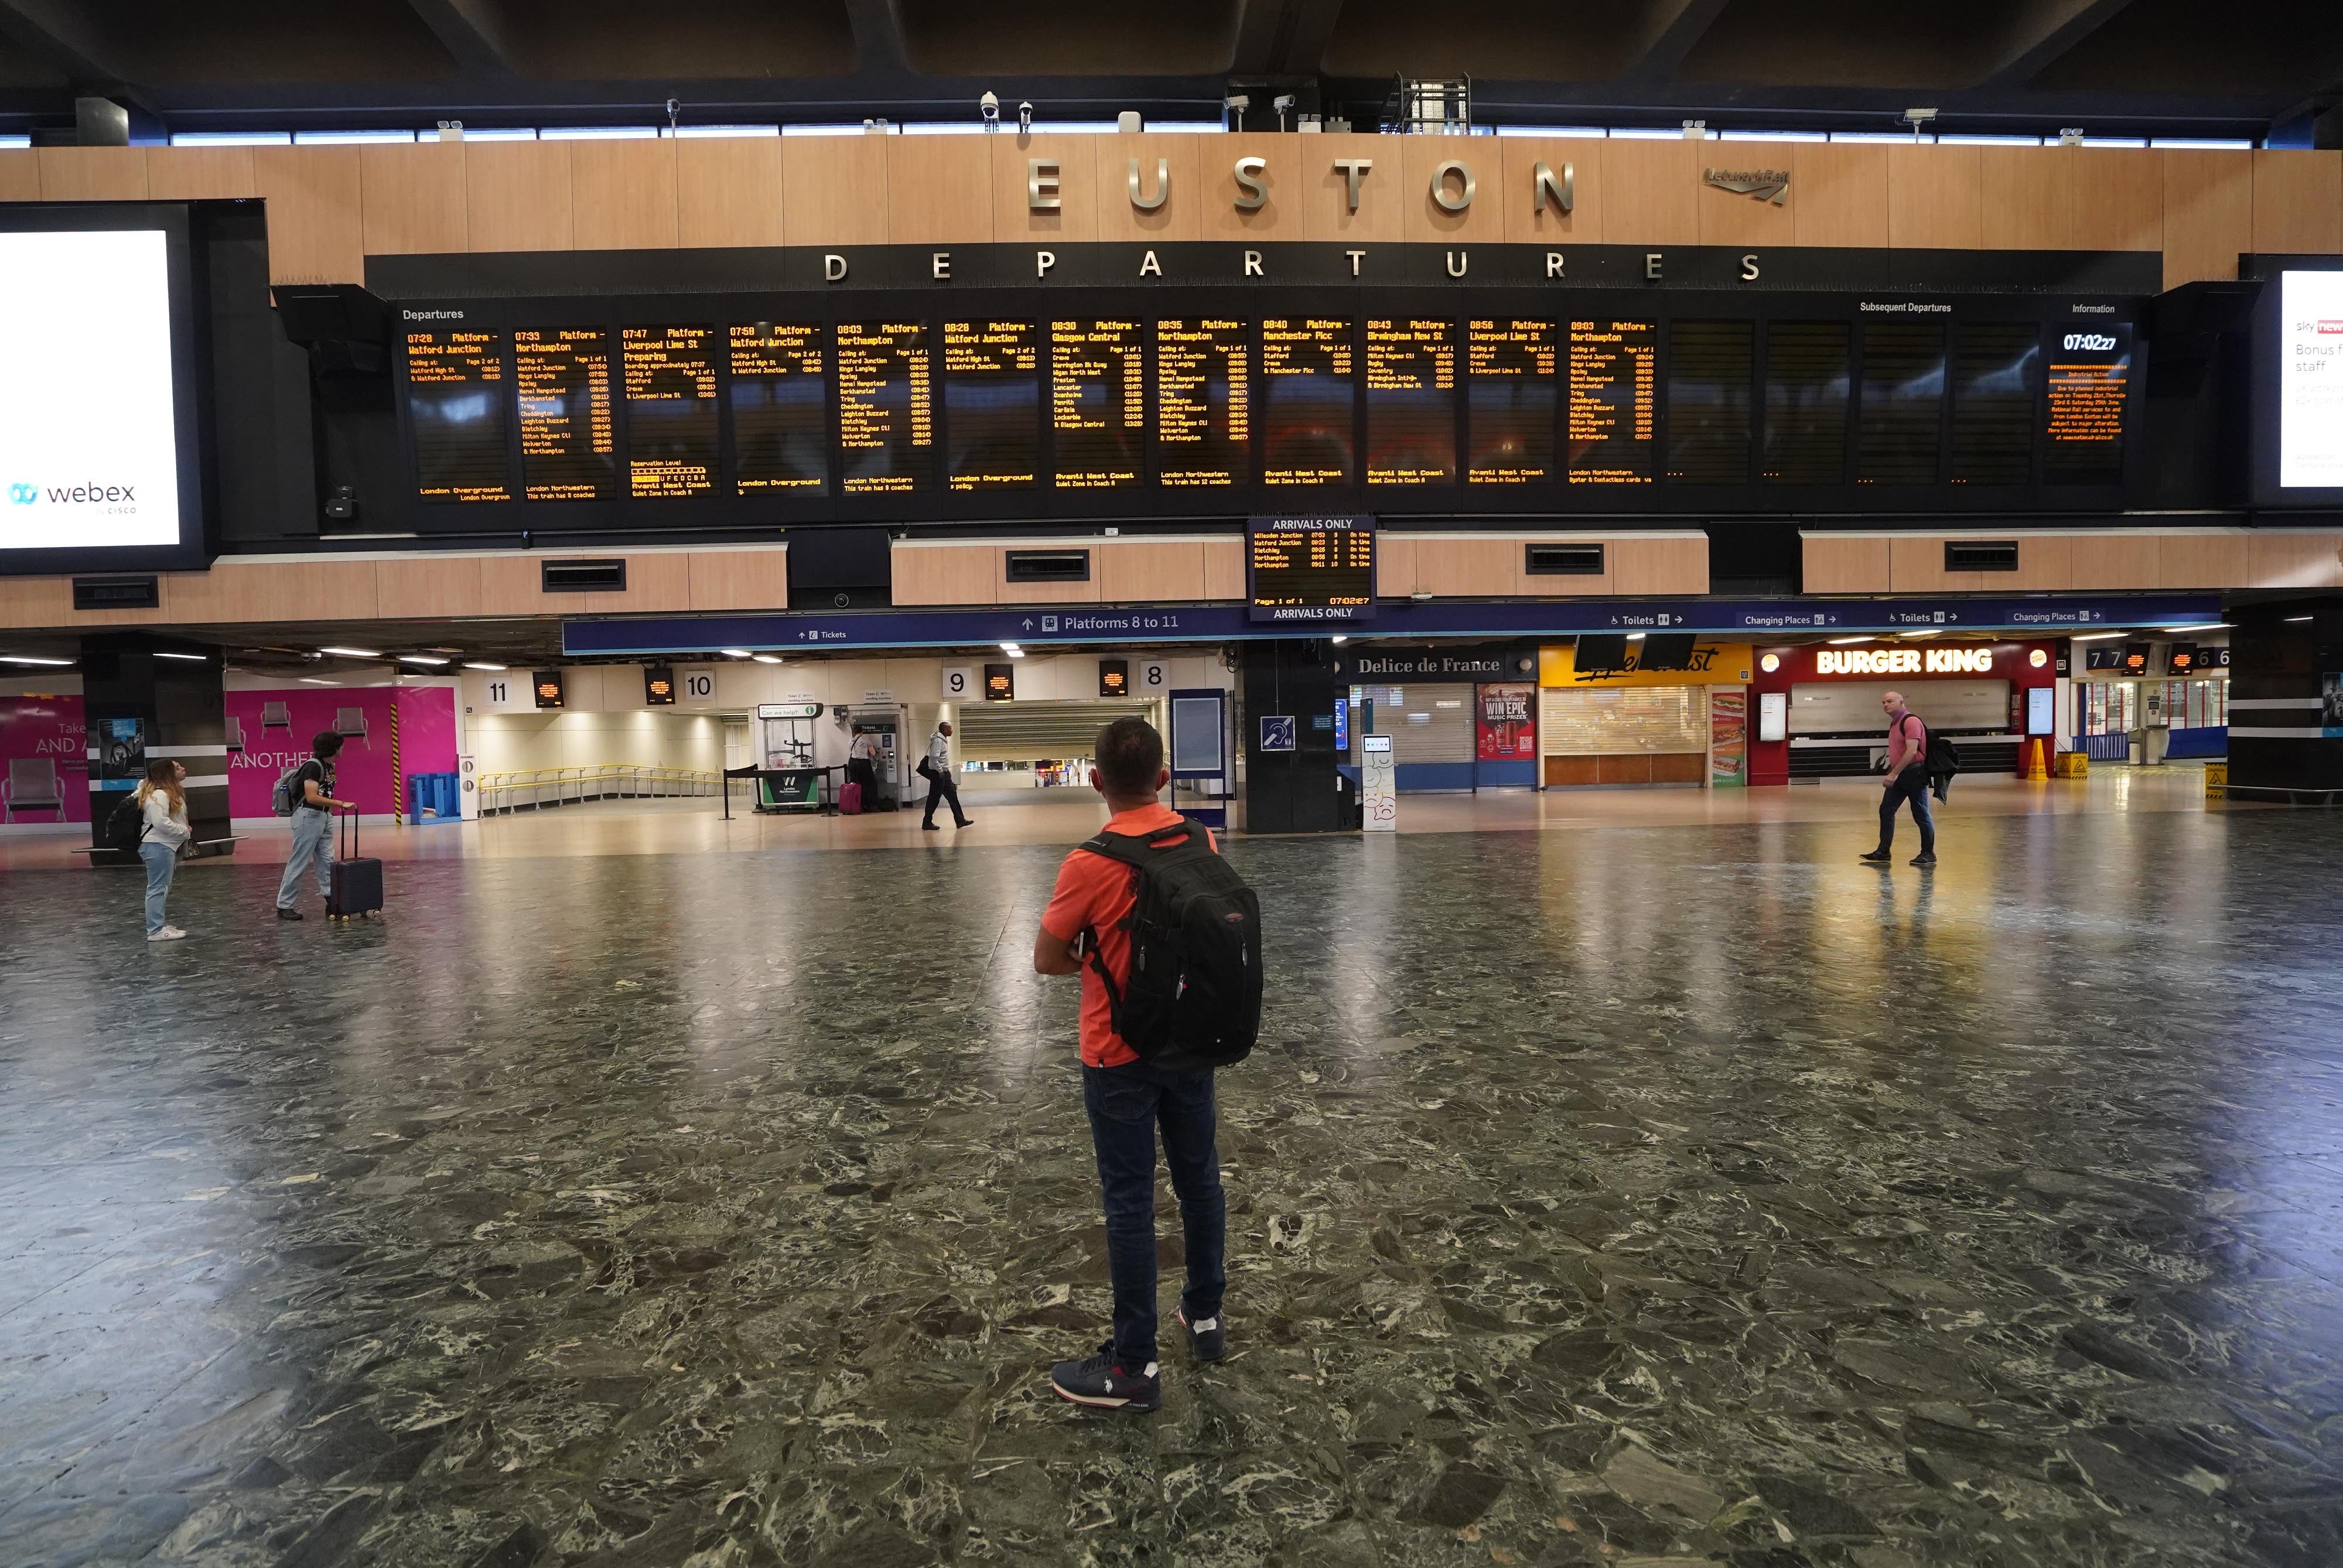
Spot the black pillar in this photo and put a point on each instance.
(1296, 791)
(2281, 654)
(144, 697)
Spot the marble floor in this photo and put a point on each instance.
(1642, 1193)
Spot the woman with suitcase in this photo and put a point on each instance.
(162, 840)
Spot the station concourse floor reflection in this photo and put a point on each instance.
(1663, 1187)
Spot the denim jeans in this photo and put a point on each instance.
(161, 862)
(312, 841)
(1126, 1104)
(1912, 785)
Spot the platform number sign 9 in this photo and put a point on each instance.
(960, 682)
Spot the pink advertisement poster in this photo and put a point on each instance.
(43, 761)
(279, 726)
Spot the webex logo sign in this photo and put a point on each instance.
(73, 495)
(2093, 342)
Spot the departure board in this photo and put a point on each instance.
(1510, 371)
(1994, 365)
(456, 407)
(780, 408)
(569, 446)
(1410, 401)
(2090, 379)
(1807, 379)
(1203, 404)
(1711, 365)
(1899, 432)
(671, 417)
(1098, 403)
(992, 404)
(1614, 398)
(1307, 414)
(1311, 569)
(885, 407)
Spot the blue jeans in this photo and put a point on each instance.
(312, 841)
(1912, 785)
(161, 862)
(1126, 1104)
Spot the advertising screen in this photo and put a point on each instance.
(89, 443)
(2311, 381)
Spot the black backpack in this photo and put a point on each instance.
(1193, 998)
(128, 825)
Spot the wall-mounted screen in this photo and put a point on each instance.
(1311, 569)
(2310, 380)
(568, 444)
(455, 407)
(1410, 401)
(93, 437)
(670, 380)
(1307, 418)
(992, 404)
(1098, 403)
(1994, 392)
(1807, 365)
(1613, 419)
(1710, 367)
(2090, 392)
(1203, 403)
(1900, 432)
(780, 408)
(1512, 368)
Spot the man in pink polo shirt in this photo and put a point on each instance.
(1907, 779)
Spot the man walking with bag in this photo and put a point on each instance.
(936, 767)
(1907, 779)
(1168, 940)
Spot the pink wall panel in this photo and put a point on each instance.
(48, 729)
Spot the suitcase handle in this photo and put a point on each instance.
(351, 818)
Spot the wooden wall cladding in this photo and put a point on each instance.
(728, 191)
(1326, 210)
(1014, 217)
(1175, 158)
(411, 199)
(316, 230)
(938, 190)
(2209, 215)
(193, 174)
(1424, 220)
(1839, 193)
(517, 196)
(20, 174)
(622, 194)
(91, 174)
(1651, 192)
(1935, 198)
(1281, 216)
(2077, 561)
(2298, 201)
(1525, 223)
(835, 193)
(741, 580)
(1842, 563)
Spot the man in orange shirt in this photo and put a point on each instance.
(1127, 1099)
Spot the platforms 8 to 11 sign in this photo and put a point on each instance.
(1305, 570)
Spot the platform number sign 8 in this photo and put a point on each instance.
(1154, 677)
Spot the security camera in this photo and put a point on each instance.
(1282, 103)
(1234, 108)
(989, 107)
(1024, 119)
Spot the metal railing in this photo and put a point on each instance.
(538, 787)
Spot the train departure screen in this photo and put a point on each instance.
(1900, 430)
(1510, 371)
(1311, 569)
(670, 411)
(1614, 393)
(456, 404)
(1307, 415)
(1098, 403)
(2090, 377)
(992, 404)
(885, 407)
(1994, 366)
(1710, 367)
(781, 409)
(568, 449)
(1807, 384)
(1411, 402)
(1203, 404)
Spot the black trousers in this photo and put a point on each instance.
(860, 770)
(941, 787)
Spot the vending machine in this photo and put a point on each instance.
(885, 724)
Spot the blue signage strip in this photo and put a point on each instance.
(1752, 618)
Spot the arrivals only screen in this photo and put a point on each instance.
(752, 409)
(89, 442)
(1311, 569)
(2311, 381)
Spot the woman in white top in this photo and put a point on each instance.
(164, 803)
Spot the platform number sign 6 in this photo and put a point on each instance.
(1154, 677)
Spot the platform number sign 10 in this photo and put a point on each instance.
(697, 684)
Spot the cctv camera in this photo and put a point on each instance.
(1282, 103)
(1025, 116)
(1240, 102)
(990, 105)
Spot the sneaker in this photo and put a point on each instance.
(167, 934)
(1877, 857)
(1208, 1338)
(1925, 858)
(1101, 1384)
(287, 914)
(174, 932)
(930, 827)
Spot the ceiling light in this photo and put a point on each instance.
(2098, 636)
(766, 658)
(1634, 637)
(432, 659)
(2290, 619)
(2201, 626)
(1339, 638)
(733, 652)
(28, 658)
(1929, 633)
(470, 664)
(1843, 641)
(199, 657)
(353, 652)
(313, 680)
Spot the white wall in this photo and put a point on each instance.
(516, 743)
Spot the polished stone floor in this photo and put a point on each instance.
(1644, 1196)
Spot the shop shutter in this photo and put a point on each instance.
(1037, 731)
(1852, 707)
(1426, 722)
(1616, 721)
